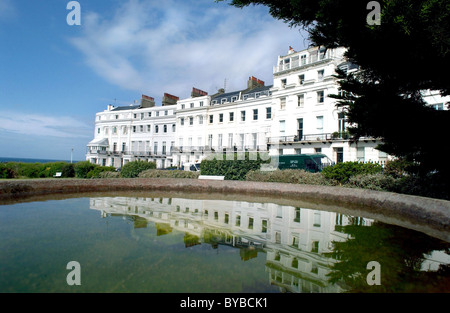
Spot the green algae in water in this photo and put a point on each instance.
(138, 244)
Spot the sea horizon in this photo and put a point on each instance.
(33, 160)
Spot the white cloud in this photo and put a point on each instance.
(41, 125)
(171, 46)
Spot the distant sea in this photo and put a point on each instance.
(26, 160)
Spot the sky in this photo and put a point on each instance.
(54, 76)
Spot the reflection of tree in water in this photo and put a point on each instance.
(400, 253)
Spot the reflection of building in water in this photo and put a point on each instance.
(296, 240)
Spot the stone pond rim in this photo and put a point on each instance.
(428, 215)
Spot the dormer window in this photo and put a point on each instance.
(283, 83)
(303, 59)
(223, 100)
(233, 99)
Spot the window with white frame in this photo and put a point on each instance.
(360, 154)
(231, 117)
(303, 59)
(319, 124)
(301, 101)
(254, 140)
(320, 97)
(268, 112)
(283, 103)
(255, 114)
(241, 141)
(320, 75)
(210, 140)
(301, 79)
(282, 127)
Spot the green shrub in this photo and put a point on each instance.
(342, 172)
(30, 170)
(398, 168)
(50, 169)
(376, 181)
(6, 172)
(231, 169)
(108, 174)
(95, 172)
(68, 170)
(133, 169)
(290, 176)
(168, 174)
(83, 168)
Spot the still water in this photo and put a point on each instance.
(173, 244)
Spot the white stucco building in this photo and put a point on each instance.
(293, 115)
(135, 132)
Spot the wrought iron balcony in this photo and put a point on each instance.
(309, 138)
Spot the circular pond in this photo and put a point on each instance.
(162, 242)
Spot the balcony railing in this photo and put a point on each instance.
(297, 63)
(206, 149)
(131, 153)
(310, 137)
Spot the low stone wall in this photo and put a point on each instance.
(403, 210)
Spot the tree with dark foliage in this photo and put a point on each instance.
(406, 54)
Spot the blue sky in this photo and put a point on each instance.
(55, 77)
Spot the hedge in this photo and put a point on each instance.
(134, 168)
(291, 176)
(35, 170)
(235, 169)
(168, 174)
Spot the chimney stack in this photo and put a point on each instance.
(147, 102)
(198, 93)
(254, 82)
(169, 99)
